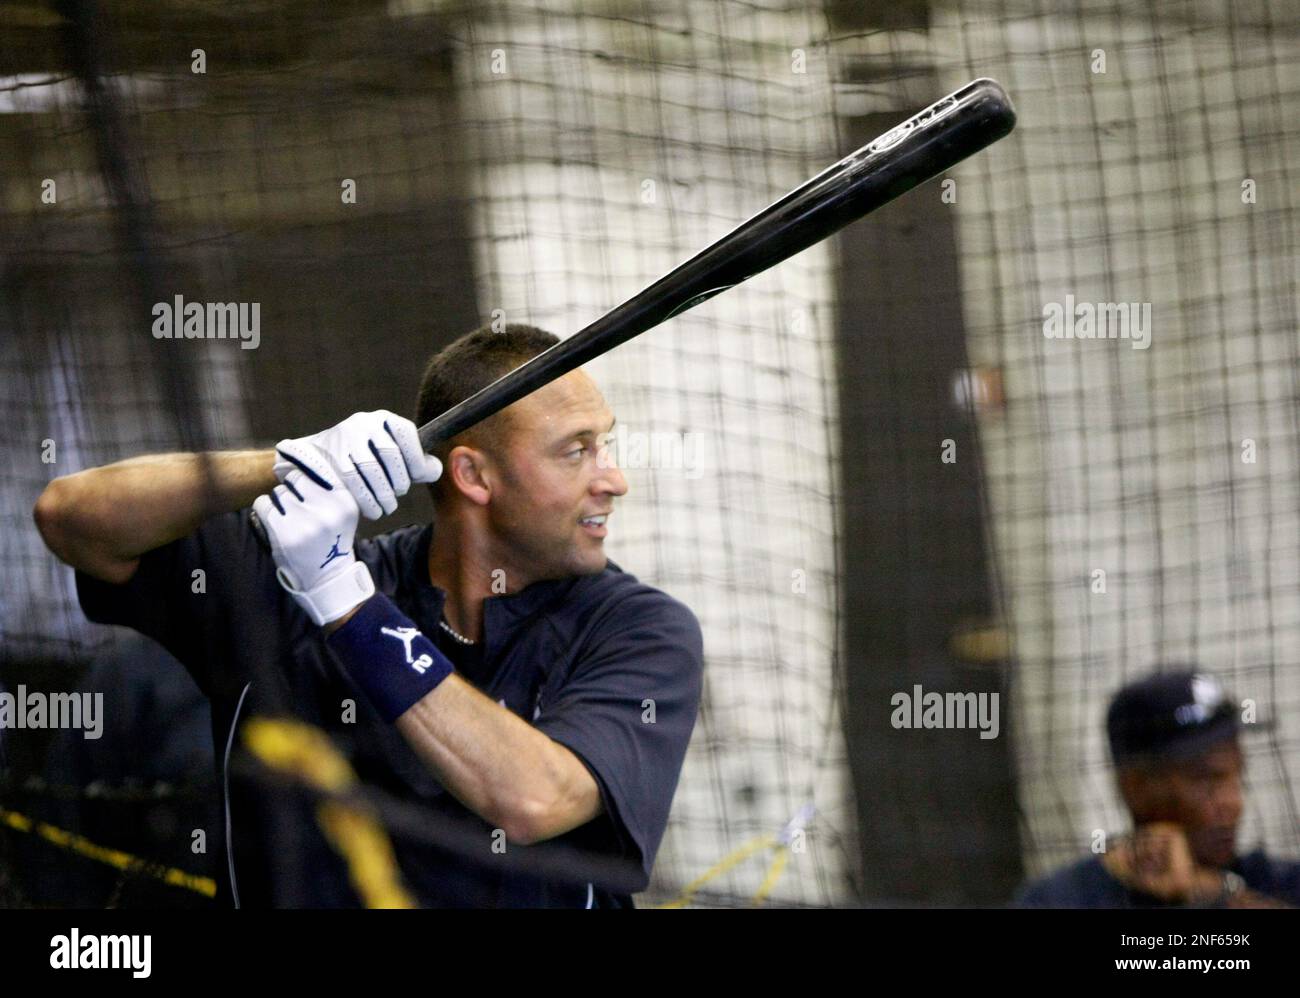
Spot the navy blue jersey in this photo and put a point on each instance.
(1087, 884)
(603, 664)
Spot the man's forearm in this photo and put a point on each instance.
(498, 765)
(101, 520)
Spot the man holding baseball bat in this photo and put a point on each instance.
(492, 664)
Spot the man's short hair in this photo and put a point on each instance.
(466, 366)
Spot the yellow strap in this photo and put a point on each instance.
(733, 858)
(355, 833)
(116, 858)
(773, 875)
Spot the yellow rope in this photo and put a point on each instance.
(773, 874)
(353, 831)
(116, 858)
(291, 747)
(733, 858)
(779, 843)
(358, 837)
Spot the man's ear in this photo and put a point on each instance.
(1142, 790)
(467, 468)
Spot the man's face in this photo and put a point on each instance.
(1203, 795)
(554, 476)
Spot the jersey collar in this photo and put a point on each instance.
(501, 613)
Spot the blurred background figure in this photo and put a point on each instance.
(1174, 741)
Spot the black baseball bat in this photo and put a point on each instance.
(909, 154)
(918, 149)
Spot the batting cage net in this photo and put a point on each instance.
(896, 462)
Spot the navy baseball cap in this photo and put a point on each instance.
(1169, 715)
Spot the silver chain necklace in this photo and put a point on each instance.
(455, 634)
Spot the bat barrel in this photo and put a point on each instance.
(909, 154)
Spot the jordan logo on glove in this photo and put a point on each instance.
(334, 551)
(327, 481)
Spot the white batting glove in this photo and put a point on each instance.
(376, 455)
(311, 523)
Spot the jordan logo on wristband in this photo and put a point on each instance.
(406, 635)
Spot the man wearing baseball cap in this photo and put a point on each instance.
(1174, 744)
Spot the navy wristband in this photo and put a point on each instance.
(388, 656)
